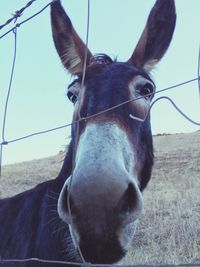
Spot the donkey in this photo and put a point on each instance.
(90, 211)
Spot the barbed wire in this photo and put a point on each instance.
(26, 20)
(5, 142)
(17, 14)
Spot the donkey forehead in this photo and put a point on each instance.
(114, 72)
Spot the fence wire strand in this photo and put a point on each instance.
(100, 113)
(75, 141)
(198, 71)
(67, 263)
(7, 98)
(5, 142)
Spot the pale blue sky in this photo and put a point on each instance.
(38, 98)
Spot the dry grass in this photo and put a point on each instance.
(25, 175)
(170, 226)
(169, 229)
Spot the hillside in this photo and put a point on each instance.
(169, 229)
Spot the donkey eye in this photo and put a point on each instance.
(147, 90)
(72, 97)
(73, 91)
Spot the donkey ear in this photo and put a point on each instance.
(156, 36)
(69, 46)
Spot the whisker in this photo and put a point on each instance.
(53, 211)
(51, 220)
(59, 229)
(52, 197)
(55, 197)
(54, 193)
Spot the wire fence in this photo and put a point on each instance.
(4, 141)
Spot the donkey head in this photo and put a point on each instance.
(112, 152)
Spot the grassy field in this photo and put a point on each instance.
(169, 229)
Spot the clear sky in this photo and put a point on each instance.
(38, 99)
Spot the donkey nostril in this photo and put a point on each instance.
(131, 203)
(65, 200)
(65, 205)
(129, 199)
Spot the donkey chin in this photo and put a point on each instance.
(98, 249)
(103, 234)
